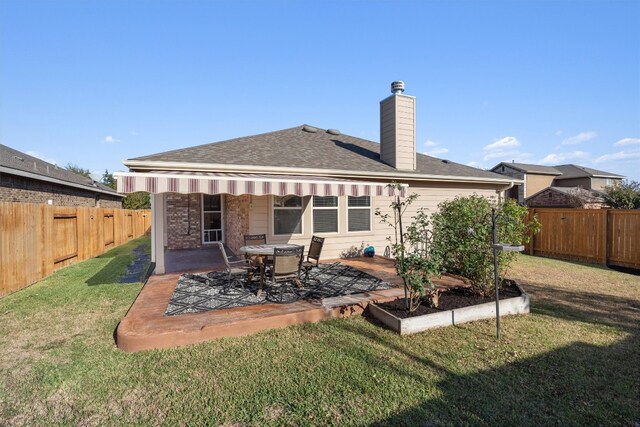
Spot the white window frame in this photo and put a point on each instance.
(336, 208)
(202, 212)
(273, 216)
(370, 207)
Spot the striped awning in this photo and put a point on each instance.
(257, 185)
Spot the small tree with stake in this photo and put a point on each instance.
(411, 251)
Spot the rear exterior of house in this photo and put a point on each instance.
(26, 179)
(298, 182)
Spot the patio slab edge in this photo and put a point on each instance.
(145, 327)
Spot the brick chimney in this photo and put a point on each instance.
(398, 129)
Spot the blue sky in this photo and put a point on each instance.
(93, 83)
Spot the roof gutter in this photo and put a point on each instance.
(11, 171)
(138, 165)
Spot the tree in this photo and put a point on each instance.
(411, 250)
(77, 169)
(138, 200)
(625, 195)
(580, 198)
(108, 179)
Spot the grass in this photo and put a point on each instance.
(573, 361)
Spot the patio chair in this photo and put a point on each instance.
(313, 257)
(237, 271)
(255, 239)
(285, 273)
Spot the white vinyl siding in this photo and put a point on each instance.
(325, 214)
(287, 215)
(359, 213)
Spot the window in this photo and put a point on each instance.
(359, 209)
(325, 214)
(211, 218)
(287, 215)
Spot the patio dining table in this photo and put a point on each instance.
(260, 252)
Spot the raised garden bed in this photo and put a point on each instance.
(457, 306)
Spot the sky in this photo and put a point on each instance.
(548, 82)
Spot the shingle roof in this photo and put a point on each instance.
(12, 159)
(576, 171)
(528, 168)
(298, 148)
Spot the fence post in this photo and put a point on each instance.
(605, 238)
(532, 238)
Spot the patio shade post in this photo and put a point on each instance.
(495, 269)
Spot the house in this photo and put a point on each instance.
(534, 177)
(294, 183)
(538, 178)
(24, 178)
(587, 178)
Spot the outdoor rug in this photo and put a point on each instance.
(195, 293)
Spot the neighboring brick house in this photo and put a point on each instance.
(26, 179)
(557, 186)
(566, 197)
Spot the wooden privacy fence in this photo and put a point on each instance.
(603, 236)
(36, 239)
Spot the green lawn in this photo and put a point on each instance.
(573, 361)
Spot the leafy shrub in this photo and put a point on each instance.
(462, 237)
(625, 195)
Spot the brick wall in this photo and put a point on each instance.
(555, 199)
(236, 220)
(19, 189)
(184, 221)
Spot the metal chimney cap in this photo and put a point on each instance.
(397, 86)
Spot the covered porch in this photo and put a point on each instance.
(192, 210)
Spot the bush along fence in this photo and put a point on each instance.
(601, 236)
(36, 239)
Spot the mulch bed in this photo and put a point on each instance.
(449, 299)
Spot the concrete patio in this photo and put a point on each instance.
(146, 327)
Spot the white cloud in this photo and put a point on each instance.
(501, 144)
(41, 156)
(579, 138)
(559, 132)
(110, 140)
(134, 133)
(434, 151)
(619, 156)
(627, 141)
(558, 158)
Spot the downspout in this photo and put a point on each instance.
(501, 191)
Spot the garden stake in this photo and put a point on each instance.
(495, 269)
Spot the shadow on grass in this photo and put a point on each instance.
(110, 273)
(119, 259)
(580, 384)
(588, 307)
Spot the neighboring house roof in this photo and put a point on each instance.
(576, 171)
(15, 162)
(528, 168)
(572, 191)
(304, 148)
